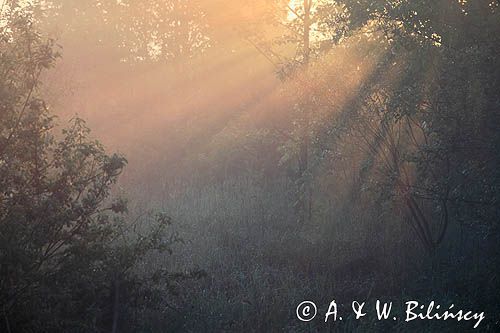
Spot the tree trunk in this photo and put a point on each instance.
(305, 193)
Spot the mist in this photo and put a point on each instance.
(258, 155)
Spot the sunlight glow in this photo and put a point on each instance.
(293, 5)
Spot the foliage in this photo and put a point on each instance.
(387, 123)
(427, 118)
(68, 256)
(152, 30)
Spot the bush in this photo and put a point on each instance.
(68, 256)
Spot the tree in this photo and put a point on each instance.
(437, 91)
(405, 114)
(305, 32)
(172, 31)
(68, 258)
